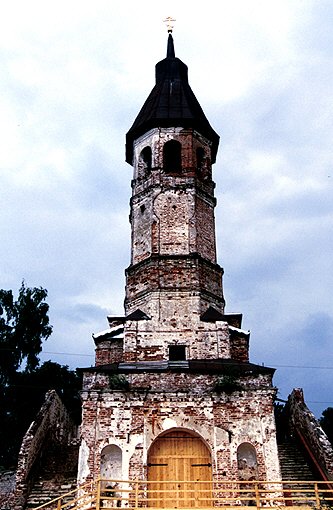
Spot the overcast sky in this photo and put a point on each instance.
(73, 77)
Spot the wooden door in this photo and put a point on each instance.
(179, 472)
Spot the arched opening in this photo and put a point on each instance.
(247, 462)
(172, 160)
(179, 471)
(145, 161)
(111, 463)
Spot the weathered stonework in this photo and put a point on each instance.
(52, 425)
(133, 419)
(175, 362)
(7, 489)
(172, 218)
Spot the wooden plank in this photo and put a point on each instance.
(189, 462)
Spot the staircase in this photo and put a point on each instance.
(296, 467)
(56, 475)
(46, 490)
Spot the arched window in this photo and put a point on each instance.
(145, 157)
(247, 462)
(144, 163)
(172, 161)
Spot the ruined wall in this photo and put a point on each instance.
(52, 424)
(132, 420)
(239, 344)
(304, 423)
(148, 340)
(7, 489)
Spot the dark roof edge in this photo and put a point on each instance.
(217, 366)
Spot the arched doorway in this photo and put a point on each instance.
(179, 471)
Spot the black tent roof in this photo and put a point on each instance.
(171, 103)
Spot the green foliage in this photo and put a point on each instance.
(24, 324)
(326, 422)
(23, 398)
(229, 380)
(227, 384)
(118, 382)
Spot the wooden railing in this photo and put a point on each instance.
(137, 494)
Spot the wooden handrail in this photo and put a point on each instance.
(55, 502)
(319, 468)
(203, 494)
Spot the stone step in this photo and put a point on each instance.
(44, 491)
(293, 463)
(294, 468)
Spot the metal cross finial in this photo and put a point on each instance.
(170, 23)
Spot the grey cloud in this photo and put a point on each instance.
(65, 185)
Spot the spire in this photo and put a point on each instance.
(171, 103)
(170, 49)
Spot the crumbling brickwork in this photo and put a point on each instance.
(147, 340)
(155, 403)
(7, 489)
(109, 351)
(175, 362)
(172, 217)
(52, 425)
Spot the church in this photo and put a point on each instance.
(174, 414)
(173, 395)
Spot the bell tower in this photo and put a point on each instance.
(172, 146)
(173, 277)
(173, 396)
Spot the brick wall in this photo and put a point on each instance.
(159, 402)
(172, 214)
(148, 340)
(109, 351)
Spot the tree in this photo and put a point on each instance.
(24, 324)
(326, 422)
(24, 397)
(281, 413)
